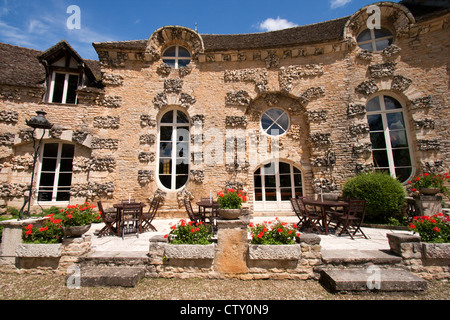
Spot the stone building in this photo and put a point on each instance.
(184, 114)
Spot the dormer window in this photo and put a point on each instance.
(63, 88)
(176, 57)
(374, 40)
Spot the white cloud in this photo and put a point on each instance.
(275, 24)
(338, 3)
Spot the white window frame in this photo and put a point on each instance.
(278, 204)
(383, 112)
(176, 58)
(373, 41)
(57, 172)
(275, 121)
(173, 155)
(66, 86)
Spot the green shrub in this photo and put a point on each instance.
(385, 195)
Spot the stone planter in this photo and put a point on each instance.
(230, 214)
(76, 231)
(273, 256)
(189, 251)
(436, 253)
(429, 191)
(32, 256)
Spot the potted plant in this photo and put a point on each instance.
(230, 203)
(77, 219)
(433, 229)
(50, 232)
(429, 184)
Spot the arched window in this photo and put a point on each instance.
(375, 39)
(176, 57)
(55, 176)
(173, 171)
(389, 137)
(275, 183)
(275, 122)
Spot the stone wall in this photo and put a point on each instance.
(323, 87)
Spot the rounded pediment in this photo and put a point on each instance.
(171, 36)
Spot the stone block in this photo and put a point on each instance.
(274, 252)
(189, 251)
(396, 240)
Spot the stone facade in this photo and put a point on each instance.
(323, 84)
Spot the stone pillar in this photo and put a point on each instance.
(428, 205)
(232, 246)
(12, 237)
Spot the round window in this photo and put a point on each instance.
(375, 39)
(275, 122)
(176, 57)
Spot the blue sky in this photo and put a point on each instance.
(40, 24)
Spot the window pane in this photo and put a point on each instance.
(271, 194)
(375, 122)
(65, 179)
(383, 44)
(265, 122)
(66, 165)
(286, 194)
(284, 167)
(285, 180)
(170, 52)
(378, 141)
(297, 180)
(403, 174)
(165, 166)
(47, 179)
(373, 105)
(380, 33)
(68, 151)
(63, 196)
(182, 149)
(182, 166)
(165, 149)
(274, 114)
(275, 130)
(51, 150)
(367, 46)
(284, 121)
(380, 159)
(183, 63)
(298, 192)
(269, 169)
(182, 117)
(258, 181)
(45, 195)
(71, 89)
(58, 88)
(270, 181)
(258, 194)
(401, 158)
(166, 181)
(181, 181)
(166, 133)
(398, 139)
(49, 165)
(364, 36)
(169, 62)
(167, 118)
(183, 134)
(395, 121)
(182, 52)
(391, 103)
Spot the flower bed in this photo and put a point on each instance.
(434, 229)
(273, 233)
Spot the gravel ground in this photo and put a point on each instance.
(51, 287)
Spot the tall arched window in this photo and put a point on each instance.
(55, 177)
(389, 137)
(275, 183)
(173, 171)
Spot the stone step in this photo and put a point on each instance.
(356, 257)
(367, 279)
(115, 258)
(110, 276)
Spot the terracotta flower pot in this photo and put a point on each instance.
(230, 214)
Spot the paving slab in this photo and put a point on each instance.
(371, 279)
(111, 276)
(354, 256)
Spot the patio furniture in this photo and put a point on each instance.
(353, 218)
(299, 213)
(411, 209)
(148, 217)
(129, 218)
(195, 217)
(311, 218)
(208, 209)
(334, 213)
(129, 201)
(109, 220)
(325, 206)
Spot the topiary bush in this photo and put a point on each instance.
(385, 195)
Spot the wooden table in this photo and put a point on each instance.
(119, 208)
(202, 209)
(325, 205)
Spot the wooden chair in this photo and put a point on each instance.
(312, 219)
(299, 213)
(353, 218)
(110, 221)
(148, 217)
(130, 219)
(195, 217)
(335, 213)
